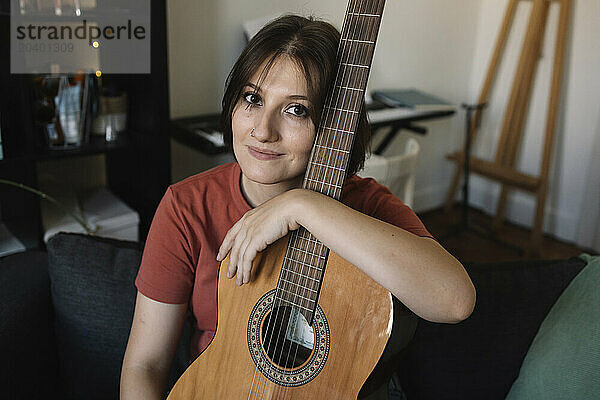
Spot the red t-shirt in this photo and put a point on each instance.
(179, 262)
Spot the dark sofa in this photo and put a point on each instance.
(65, 317)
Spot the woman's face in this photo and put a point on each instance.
(272, 130)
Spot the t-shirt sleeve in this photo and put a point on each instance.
(392, 210)
(379, 202)
(167, 270)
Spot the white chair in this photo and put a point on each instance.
(396, 172)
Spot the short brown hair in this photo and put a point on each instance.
(313, 45)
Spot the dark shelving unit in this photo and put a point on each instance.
(137, 165)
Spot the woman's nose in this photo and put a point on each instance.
(266, 127)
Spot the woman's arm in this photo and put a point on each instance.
(418, 271)
(153, 339)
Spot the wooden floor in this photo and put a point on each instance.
(477, 244)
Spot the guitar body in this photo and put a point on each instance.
(351, 330)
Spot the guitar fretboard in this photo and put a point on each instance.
(304, 265)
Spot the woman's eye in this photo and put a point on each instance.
(298, 110)
(252, 98)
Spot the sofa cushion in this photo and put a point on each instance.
(480, 357)
(94, 297)
(26, 327)
(563, 360)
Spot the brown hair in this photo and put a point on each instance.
(312, 44)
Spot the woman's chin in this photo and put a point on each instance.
(271, 176)
(263, 179)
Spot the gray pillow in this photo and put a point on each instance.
(92, 286)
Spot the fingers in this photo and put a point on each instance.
(246, 257)
(257, 229)
(234, 257)
(238, 241)
(228, 240)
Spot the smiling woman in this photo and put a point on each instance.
(272, 104)
(273, 131)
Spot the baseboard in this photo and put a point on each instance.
(520, 209)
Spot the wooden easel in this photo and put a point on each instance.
(502, 169)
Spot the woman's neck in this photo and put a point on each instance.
(257, 193)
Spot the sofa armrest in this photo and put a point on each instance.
(27, 339)
(481, 357)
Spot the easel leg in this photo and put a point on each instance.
(500, 210)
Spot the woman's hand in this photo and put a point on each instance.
(257, 229)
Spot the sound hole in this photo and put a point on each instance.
(287, 338)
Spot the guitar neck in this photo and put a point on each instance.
(326, 170)
(303, 270)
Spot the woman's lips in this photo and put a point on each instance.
(261, 154)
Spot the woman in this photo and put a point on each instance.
(271, 106)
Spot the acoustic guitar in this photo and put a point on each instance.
(309, 325)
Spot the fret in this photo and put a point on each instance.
(303, 264)
(307, 252)
(332, 148)
(338, 130)
(347, 98)
(314, 280)
(350, 88)
(345, 123)
(328, 166)
(294, 304)
(297, 284)
(355, 65)
(302, 276)
(297, 295)
(358, 41)
(365, 15)
(324, 183)
(310, 240)
(341, 109)
(351, 80)
(351, 51)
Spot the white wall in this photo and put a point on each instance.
(442, 47)
(577, 126)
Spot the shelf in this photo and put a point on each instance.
(187, 131)
(96, 145)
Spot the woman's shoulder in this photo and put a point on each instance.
(368, 196)
(355, 185)
(218, 175)
(206, 188)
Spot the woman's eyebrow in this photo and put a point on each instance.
(257, 89)
(253, 86)
(298, 97)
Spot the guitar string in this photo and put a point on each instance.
(360, 59)
(271, 318)
(274, 317)
(344, 103)
(348, 103)
(324, 117)
(369, 26)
